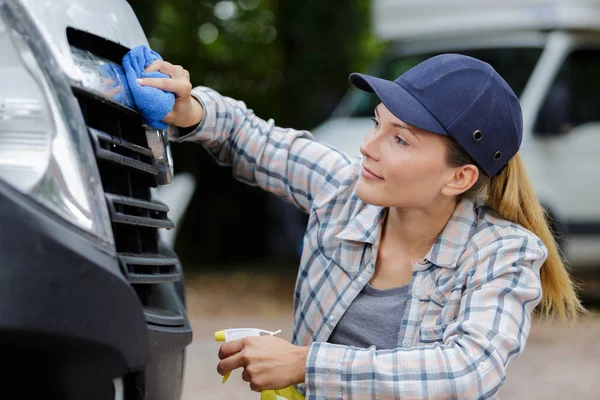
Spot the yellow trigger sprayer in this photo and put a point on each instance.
(227, 335)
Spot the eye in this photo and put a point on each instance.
(400, 141)
(375, 122)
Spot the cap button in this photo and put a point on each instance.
(477, 135)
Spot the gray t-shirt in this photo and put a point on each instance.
(373, 318)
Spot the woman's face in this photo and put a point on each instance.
(403, 166)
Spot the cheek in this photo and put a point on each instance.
(411, 182)
(417, 173)
(416, 182)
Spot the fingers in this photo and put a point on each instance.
(179, 84)
(230, 348)
(255, 387)
(253, 380)
(246, 375)
(231, 363)
(180, 87)
(231, 356)
(235, 355)
(174, 71)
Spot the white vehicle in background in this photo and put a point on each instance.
(549, 52)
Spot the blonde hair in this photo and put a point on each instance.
(511, 195)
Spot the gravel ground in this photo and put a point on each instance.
(558, 363)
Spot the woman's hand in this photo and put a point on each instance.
(269, 362)
(187, 111)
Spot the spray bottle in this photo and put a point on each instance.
(227, 335)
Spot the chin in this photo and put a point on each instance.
(368, 195)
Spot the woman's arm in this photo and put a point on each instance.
(492, 326)
(286, 162)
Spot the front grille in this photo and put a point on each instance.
(116, 150)
(149, 268)
(127, 210)
(127, 170)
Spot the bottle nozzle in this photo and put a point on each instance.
(220, 336)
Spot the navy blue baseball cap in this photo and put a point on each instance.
(458, 96)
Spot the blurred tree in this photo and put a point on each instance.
(288, 60)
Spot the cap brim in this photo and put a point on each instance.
(399, 101)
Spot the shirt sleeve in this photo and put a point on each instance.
(492, 326)
(286, 162)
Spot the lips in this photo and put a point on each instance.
(370, 174)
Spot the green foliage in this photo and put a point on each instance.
(237, 54)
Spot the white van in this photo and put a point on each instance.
(92, 295)
(549, 52)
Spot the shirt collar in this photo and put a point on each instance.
(365, 226)
(450, 245)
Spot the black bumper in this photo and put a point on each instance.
(69, 320)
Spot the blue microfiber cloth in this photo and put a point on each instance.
(154, 104)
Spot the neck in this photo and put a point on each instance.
(414, 231)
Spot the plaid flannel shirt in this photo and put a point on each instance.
(471, 298)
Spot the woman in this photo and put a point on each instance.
(423, 260)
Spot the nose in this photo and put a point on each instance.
(368, 147)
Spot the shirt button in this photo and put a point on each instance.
(405, 343)
(414, 294)
(360, 279)
(331, 320)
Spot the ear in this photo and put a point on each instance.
(463, 179)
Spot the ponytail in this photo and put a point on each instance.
(511, 195)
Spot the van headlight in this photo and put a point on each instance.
(45, 150)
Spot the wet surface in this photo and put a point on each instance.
(558, 363)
